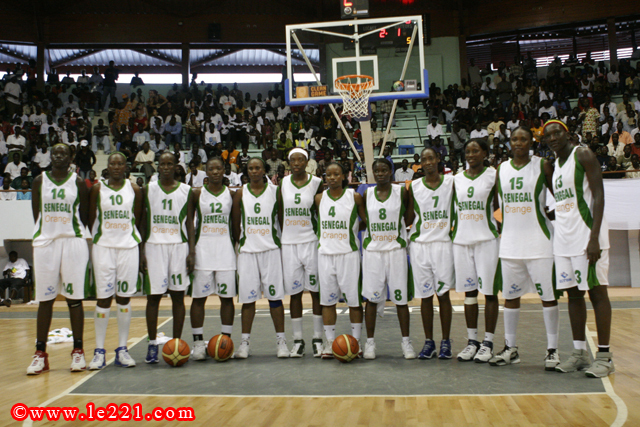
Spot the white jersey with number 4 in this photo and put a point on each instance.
(338, 224)
(386, 229)
(59, 210)
(115, 225)
(259, 226)
(474, 221)
(574, 209)
(434, 209)
(299, 223)
(214, 246)
(167, 213)
(526, 230)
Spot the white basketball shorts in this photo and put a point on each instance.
(340, 275)
(115, 271)
(432, 267)
(222, 283)
(476, 267)
(300, 267)
(524, 276)
(260, 274)
(576, 271)
(63, 262)
(166, 268)
(386, 268)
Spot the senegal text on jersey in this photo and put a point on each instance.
(297, 212)
(57, 207)
(165, 219)
(517, 197)
(561, 195)
(258, 220)
(434, 215)
(334, 225)
(471, 206)
(215, 219)
(116, 214)
(383, 226)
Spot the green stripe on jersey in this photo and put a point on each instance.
(243, 237)
(183, 216)
(148, 215)
(274, 218)
(198, 222)
(454, 216)
(585, 212)
(352, 222)
(98, 235)
(492, 227)
(367, 240)
(74, 212)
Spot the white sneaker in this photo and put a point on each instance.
(508, 356)
(485, 352)
(551, 360)
(97, 362)
(123, 358)
(243, 351)
(316, 344)
(283, 350)
(39, 364)
(469, 351)
(199, 351)
(327, 352)
(408, 351)
(370, 350)
(298, 348)
(77, 360)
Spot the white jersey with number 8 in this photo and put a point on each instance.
(386, 229)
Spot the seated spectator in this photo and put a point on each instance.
(230, 156)
(274, 163)
(16, 183)
(16, 142)
(14, 278)
(173, 132)
(439, 147)
(634, 168)
(615, 148)
(623, 136)
(42, 160)
(416, 165)
(144, 160)
(141, 136)
(284, 144)
(494, 126)
(25, 191)
(243, 159)
(101, 137)
(14, 168)
(635, 147)
(234, 178)
(195, 178)
(463, 102)
(614, 167)
(91, 179)
(404, 173)
(7, 194)
(196, 151)
(479, 133)
(626, 157)
(212, 135)
(433, 129)
(192, 131)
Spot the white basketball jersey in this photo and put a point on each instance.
(574, 209)
(526, 230)
(167, 213)
(338, 224)
(434, 209)
(300, 222)
(473, 219)
(386, 229)
(214, 245)
(260, 230)
(59, 210)
(115, 225)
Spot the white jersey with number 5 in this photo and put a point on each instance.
(167, 213)
(474, 221)
(59, 210)
(386, 229)
(526, 230)
(259, 226)
(434, 208)
(214, 246)
(574, 209)
(299, 218)
(338, 224)
(115, 225)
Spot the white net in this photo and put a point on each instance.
(355, 91)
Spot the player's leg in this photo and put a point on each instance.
(156, 282)
(225, 287)
(270, 265)
(375, 274)
(467, 282)
(249, 289)
(350, 282)
(104, 272)
(316, 341)
(441, 254)
(329, 295)
(127, 286)
(202, 288)
(179, 282)
(423, 279)
(294, 283)
(489, 284)
(401, 290)
(446, 316)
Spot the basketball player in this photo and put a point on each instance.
(581, 247)
(212, 247)
(526, 246)
(431, 249)
(475, 248)
(384, 260)
(338, 252)
(60, 205)
(115, 212)
(164, 255)
(257, 232)
(298, 222)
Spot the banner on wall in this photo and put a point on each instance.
(622, 203)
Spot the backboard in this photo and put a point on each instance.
(388, 49)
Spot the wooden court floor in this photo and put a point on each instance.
(618, 406)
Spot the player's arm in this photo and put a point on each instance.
(192, 204)
(83, 195)
(280, 205)
(407, 199)
(143, 232)
(236, 215)
(547, 167)
(35, 196)
(93, 204)
(362, 210)
(137, 205)
(588, 160)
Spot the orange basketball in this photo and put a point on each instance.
(345, 348)
(220, 348)
(176, 352)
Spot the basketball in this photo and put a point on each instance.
(176, 352)
(220, 348)
(345, 348)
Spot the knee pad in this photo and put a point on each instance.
(275, 304)
(73, 303)
(470, 300)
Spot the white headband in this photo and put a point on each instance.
(300, 151)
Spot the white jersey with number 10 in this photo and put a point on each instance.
(115, 225)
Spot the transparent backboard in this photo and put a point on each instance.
(391, 50)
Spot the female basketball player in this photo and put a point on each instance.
(298, 222)
(60, 205)
(257, 232)
(526, 248)
(115, 210)
(212, 247)
(431, 249)
(384, 260)
(164, 257)
(338, 253)
(581, 247)
(475, 248)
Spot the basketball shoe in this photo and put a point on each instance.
(445, 350)
(327, 352)
(485, 352)
(578, 361)
(243, 350)
(97, 362)
(77, 360)
(282, 349)
(316, 344)
(407, 350)
(152, 354)
(123, 358)
(551, 360)
(370, 350)
(469, 351)
(298, 348)
(602, 366)
(428, 350)
(508, 356)
(39, 364)
(199, 350)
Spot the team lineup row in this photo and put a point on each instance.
(296, 237)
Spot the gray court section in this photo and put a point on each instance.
(389, 374)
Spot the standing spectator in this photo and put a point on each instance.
(613, 77)
(588, 117)
(111, 74)
(192, 131)
(14, 273)
(85, 159)
(474, 73)
(12, 92)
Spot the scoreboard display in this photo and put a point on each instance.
(350, 9)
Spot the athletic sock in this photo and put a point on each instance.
(317, 326)
(124, 320)
(226, 330)
(280, 336)
(296, 325)
(552, 324)
(153, 342)
(101, 318)
(370, 341)
(197, 334)
(580, 345)
(488, 336)
(356, 330)
(511, 317)
(603, 348)
(330, 332)
(472, 334)
(246, 337)
(406, 340)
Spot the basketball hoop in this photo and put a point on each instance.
(355, 94)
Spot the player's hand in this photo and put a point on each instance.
(143, 262)
(191, 263)
(593, 251)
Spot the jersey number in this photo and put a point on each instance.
(116, 200)
(123, 286)
(516, 183)
(223, 289)
(578, 278)
(178, 278)
(436, 198)
(383, 214)
(470, 192)
(69, 286)
(539, 288)
(272, 290)
(559, 182)
(332, 211)
(397, 294)
(256, 208)
(216, 207)
(167, 202)
(59, 194)
(296, 198)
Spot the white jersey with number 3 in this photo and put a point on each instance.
(115, 225)
(259, 226)
(167, 213)
(386, 229)
(474, 221)
(434, 208)
(299, 223)
(338, 224)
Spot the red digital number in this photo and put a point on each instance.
(383, 33)
(347, 3)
